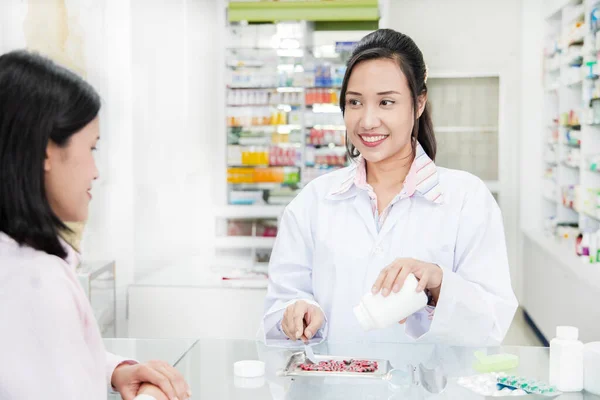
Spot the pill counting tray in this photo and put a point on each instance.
(292, 367)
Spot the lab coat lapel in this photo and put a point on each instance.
(398, 210)
(362, 205)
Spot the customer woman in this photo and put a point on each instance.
(392, 212)
(49, 342)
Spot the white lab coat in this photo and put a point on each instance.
(329, 252)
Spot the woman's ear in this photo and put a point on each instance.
(421, 102)
(47, 165)
(49, 156)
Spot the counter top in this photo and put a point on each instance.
(208, 367)
(197, 273)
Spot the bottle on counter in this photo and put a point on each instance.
(566, 360)
(591, 367)
(378, 312)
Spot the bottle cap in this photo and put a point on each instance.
(249, 368)
(567, 332)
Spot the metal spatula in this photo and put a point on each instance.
(310, 356)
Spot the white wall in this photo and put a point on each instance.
(12, 14)
(176, 126)
(156, 66)
(477, 37)
(102, 52)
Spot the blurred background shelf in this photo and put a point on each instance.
(233, 242)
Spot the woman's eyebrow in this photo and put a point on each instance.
(380, 93)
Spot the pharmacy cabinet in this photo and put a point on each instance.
(195, 312)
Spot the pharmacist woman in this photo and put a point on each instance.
(392, 212)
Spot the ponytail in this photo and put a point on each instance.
(423, 133)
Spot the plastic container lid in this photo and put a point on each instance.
(567, 332)
(249, 368)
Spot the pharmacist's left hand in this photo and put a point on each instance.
(393, 276)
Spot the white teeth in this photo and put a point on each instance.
(372, 139)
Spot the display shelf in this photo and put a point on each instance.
(249, 212)
(464, 129)
(327, 127)
(278, 105)
(243, 242)
(571, 166)
(590, 214)
(262, 185)
(272, 127)
(267, 145)
(575, 114)
(564, 251)
(300, 80)
(574, 82)
(280, 89)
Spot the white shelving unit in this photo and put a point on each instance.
(253, 212)
(245, 242)
(284, 128)
(571, 141)
(559, 284)
(284, 124)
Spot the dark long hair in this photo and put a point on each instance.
(387, 43)
(39, 102)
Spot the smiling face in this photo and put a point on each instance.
(69, 173)
(379, 113)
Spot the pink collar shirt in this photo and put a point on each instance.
(50, 342)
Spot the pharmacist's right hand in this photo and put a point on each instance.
(302, 320)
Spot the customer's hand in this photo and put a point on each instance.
(128, 380)
(302, 320)
(392, 277)
(151, 390)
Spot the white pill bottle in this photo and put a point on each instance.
(566, 360)
(378, 312)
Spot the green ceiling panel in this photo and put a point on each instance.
(308, 10)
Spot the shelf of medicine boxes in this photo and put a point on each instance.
(258, 212)
(325, 130)
(579, 181)
(589, 205)
(265, 149)
(281, 88)
(563, 59)
(564, 250)
(244, 242)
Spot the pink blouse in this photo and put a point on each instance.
(50, 343)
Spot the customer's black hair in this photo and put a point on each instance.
(40, 102)
(387, 43)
